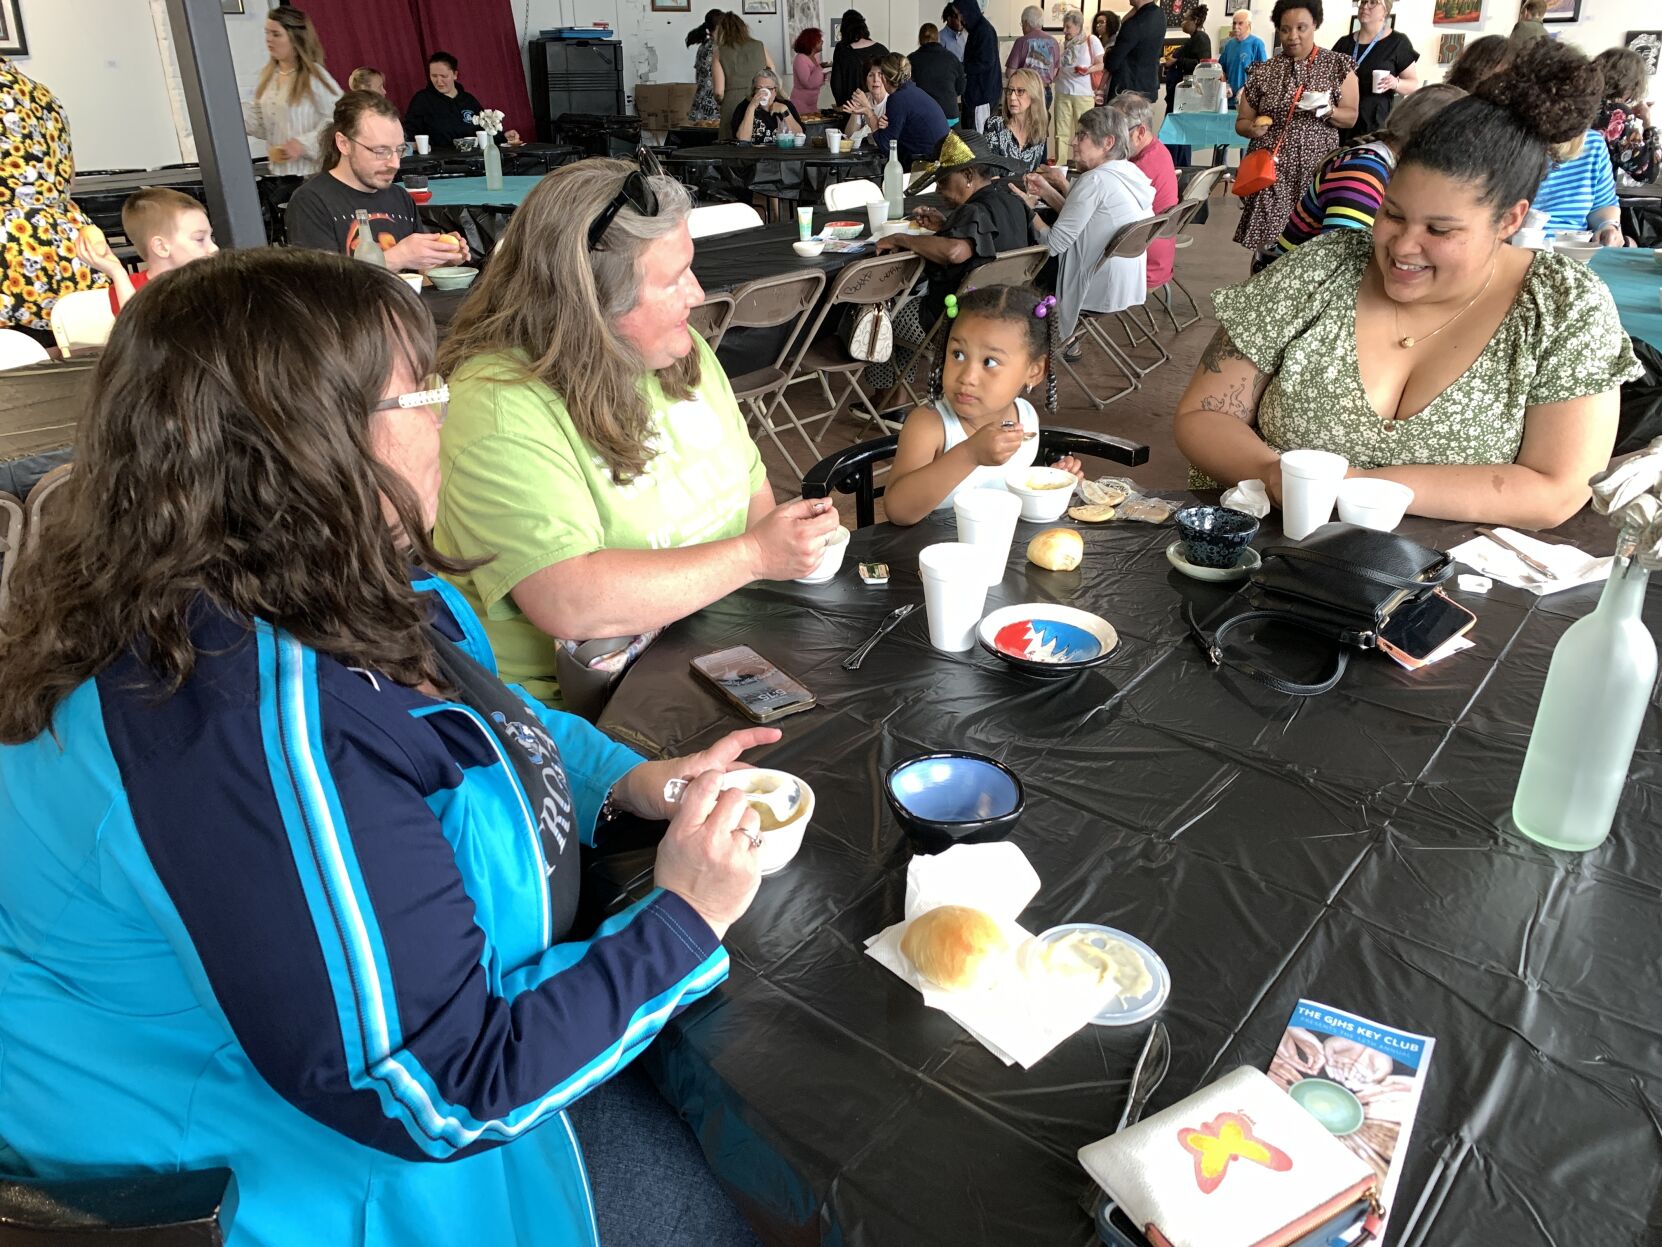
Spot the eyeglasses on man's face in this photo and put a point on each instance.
(384, 153)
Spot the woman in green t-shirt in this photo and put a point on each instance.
(594, 452)
(1427, 351)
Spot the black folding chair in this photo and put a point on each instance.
(851, 470)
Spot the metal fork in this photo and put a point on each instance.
(853, 661)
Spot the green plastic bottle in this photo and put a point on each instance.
(1598, 688)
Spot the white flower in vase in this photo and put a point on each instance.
(490, 120)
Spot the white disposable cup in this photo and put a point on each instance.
(1379, 75)
(1374, 503)
(987, 521)
(1309, 488)
(834, 141)
(424, 144)
(954, 591)
(878, 215)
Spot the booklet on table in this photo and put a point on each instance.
(1359, 1079)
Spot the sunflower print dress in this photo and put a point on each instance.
(38, 220)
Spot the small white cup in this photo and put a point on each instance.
(830, 561)
(834, 141)
(1309, 488)
(877, 215)
(781, 844)
(412, 280)
(1373, 503)
(987, 522)
(1379, 76)
(424, 144)
(954, 591)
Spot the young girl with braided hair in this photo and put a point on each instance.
(979, 424)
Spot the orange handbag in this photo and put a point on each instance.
(1258, 169)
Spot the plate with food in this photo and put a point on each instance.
(1105, 956)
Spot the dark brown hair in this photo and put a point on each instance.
(1496, 139)
(225, 457)
(152, 211)
(1015, 305)
(1479, 59)
(350, 110)
(1625, 73)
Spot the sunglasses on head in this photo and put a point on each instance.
(636, 192)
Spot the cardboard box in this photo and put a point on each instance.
(663, 104)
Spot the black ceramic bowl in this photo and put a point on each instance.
(1215, 536)
(953, 797)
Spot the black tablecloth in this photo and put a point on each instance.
(1343, 848)
(1642, 214)
(526, 159)
(740, 171)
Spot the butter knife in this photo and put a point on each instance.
(1148, 1075)
(853, 661)
(1527, 560)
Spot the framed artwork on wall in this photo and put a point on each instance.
(1459, 12)
(231, 6)
(1648, 44)
(1234, 6)
(1449, 48)
(1355, 21)
(1563, 11)
(754, 7)
(12, 42)
(672, 6)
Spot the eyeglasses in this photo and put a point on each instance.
(637, 193)
(384, 153)
(434, 394)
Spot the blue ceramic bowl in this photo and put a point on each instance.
(1215, 536)
(952, 797)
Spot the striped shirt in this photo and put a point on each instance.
(1576, 188)
(274, 118)
(1345, 194)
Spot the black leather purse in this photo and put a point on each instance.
(1341, 582)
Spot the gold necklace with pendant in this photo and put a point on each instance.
(1410, 340)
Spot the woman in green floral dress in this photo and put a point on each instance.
(1428, 351)
(38, 221)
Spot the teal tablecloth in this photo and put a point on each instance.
(464, 192)
(1201, 129)
(1635, 279)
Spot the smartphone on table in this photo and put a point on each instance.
(760, 690)
(1418, 629)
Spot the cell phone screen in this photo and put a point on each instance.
(1420, 628)
(755, 685)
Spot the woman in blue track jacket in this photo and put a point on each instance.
(289, 875)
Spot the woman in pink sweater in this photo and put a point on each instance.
(808, 71)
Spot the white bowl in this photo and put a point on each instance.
(1578, 237)
(1373, 502)
(809, 249)
(781, 844)
(412, 280)
(1044, 492)
(830, 561)
(452, 277)
(1582, 251)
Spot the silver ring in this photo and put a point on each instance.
(755, 837)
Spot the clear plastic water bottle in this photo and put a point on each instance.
(894, 184)
(1598, 687)
(367, 248)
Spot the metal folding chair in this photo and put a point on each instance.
(767, 303)
(1007, 268)
(1177, 229)
(11, 541)
(711, 318)
(1128, 242)
(39, 496)
(822, 356)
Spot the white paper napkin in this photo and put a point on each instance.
(1021, 1019)
(1571, 567)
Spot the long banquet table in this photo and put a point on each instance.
(1346, 848)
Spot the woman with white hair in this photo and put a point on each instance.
(1035, 49)
(1081, 57)
(766, 113)
(594, 453)
(1108, 194)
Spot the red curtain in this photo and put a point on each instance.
(395, 36)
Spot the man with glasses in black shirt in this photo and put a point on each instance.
(361, 150)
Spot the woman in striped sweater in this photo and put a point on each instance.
(1348, 189)
(295, 96)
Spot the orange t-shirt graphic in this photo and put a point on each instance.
(386, 240)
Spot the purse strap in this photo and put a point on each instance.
(1360, 570)
(1213, 649)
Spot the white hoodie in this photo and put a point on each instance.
(1100, 202)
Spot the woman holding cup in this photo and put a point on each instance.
(1482, 376)
(1384, 67)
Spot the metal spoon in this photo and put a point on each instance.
(782, 800)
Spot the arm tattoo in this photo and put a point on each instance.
(1221, 348)
(1234, 401)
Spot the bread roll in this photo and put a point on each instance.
(956, 948)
